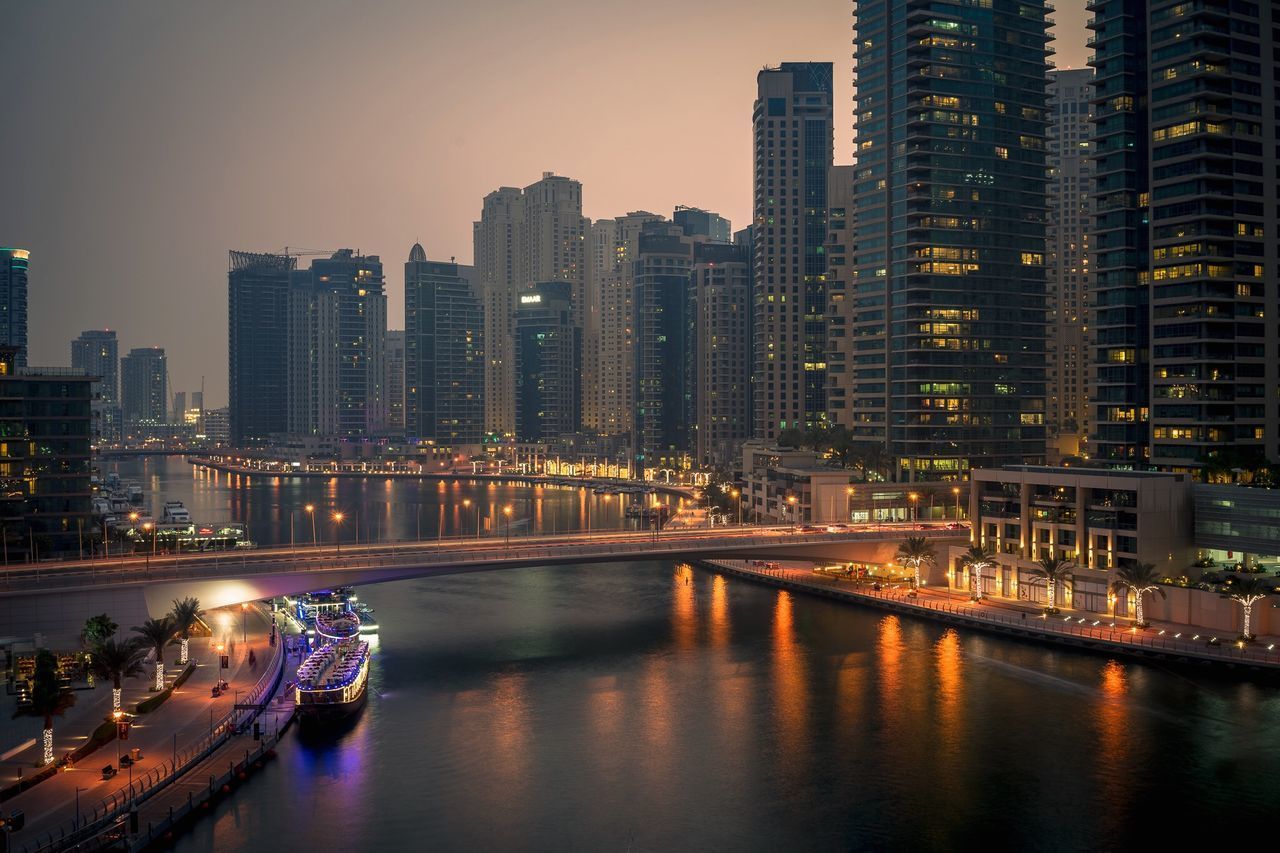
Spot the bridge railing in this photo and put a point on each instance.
(422, 554)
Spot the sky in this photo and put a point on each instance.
(141, 141)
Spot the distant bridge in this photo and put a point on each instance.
(55, 598)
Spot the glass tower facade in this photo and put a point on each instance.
(13, 301)
(548, 351)
(444, 352)
(949, 203)
(257, 346)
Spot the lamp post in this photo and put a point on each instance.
(148, 527)
(848, 503)
(466, 504)
(244, 622)
(913, 497)
(311, 511)
(791, 502)
(955, 490)
(506, 511)
(737, 497)
(337, 538)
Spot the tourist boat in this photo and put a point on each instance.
(333, 681)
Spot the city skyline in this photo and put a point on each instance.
(184, 178)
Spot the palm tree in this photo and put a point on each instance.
(185, 613)
(1247, 591)
(1139, 577)
(977, 558)
(156, 634)
(1052, 570)
(915, 551)
(48, 700)
(97, 629)
(118, 660)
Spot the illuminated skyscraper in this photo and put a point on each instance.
(949, 198)
(13, 301)
(792, 124)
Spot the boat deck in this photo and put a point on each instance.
(332, 666)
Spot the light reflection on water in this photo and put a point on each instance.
(654, 707)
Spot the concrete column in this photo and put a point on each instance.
(1024, 518)
(1082, 536)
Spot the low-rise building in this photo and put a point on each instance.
(1098, 519)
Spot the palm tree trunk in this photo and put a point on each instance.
(186, 648)
(1137, 597)
(159, 685)
(1051, 597)
(1248, 609)
(47, 741)
(115, 695)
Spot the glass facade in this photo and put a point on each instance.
(949, 197)
(548, 347)
(13, 300)
(444, 353)
(257, 351)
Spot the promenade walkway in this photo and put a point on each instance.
(1082, 629)
(172, 729)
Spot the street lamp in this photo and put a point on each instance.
(337, 538)
(244, 622)
(791, 502)
(955, 490)
(466, 503)
(848, 503)
(311, 511)
(148, 528)
(913, 497)
(737, 496)
(506, 511)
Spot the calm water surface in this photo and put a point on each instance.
(650, 706)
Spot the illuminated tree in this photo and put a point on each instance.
(1141, 578)
(916, 551)
(1248, 592)
(48, 699)
(116, 661)
(156, 634)
(185, 613)
(1053, 571)
(975, 559)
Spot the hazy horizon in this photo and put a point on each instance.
(148, 141)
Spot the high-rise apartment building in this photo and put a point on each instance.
(97, 353)
(336, 345)
(721, 289)
(13, 301)
(548, 358)
(258, 345)
(612, 245)
(144, 386)
(443, 352)
(663, 436)
(179, 408)
(792, 124)
(393, 361)
(537, 234)
(843, 368)
(950, 229)
(1067, 264)
(696, 222)
(1186, 353)
(45, 493)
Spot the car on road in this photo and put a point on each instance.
(837, 528)
(810, 528)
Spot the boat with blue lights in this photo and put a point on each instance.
(334, 679)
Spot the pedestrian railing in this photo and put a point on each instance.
(96, 817)
(1052, 626)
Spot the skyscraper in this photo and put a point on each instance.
(548, 356)
(97, 353)
(525, 236)
(845, 371)
(258, 345)
(721, 289)
(144, 385)
(443, 352)
(337, 342)
(610, 286)
(664, 339)
(1186, 354)
(395, 367)
(1069, 276)
(694, 222)
(13, 301)
(950, 217)
(792, 124)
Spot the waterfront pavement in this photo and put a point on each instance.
(183, 719)
(1076, 626)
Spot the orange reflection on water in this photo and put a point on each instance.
(719, 612)
(508, 730)
(1116, 741)
(890, 648)
(790, 688)
(684, 608)
(949, 663)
